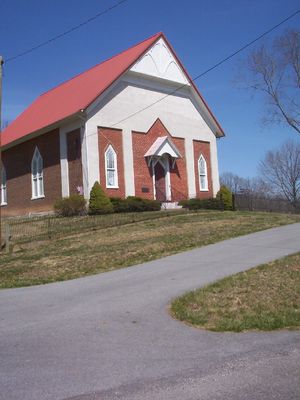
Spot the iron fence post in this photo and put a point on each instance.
(7, 237)
(49, 227)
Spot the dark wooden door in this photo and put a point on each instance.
(160, 182)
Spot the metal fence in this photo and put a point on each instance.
(22, 230)
(250, 203)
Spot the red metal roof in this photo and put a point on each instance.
(77, 94)
(73, 95)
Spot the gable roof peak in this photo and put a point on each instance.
(75, 94)
(155, 36)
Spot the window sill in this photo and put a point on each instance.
(37, 198)
(112, 187)
(204, 190)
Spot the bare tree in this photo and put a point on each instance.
(232, 181)
(256, 188)
(275, 71)
(253, 187)
(281, 170)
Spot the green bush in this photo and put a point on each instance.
(134, 204)
(99, 202)
(69, 206)
(153, 205)
(183, 203)
(198, 204)
(137, 204)
(119, 205)
(225, 196)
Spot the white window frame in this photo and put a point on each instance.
(115, 169)
(38, 176)
(202, 174)
(3, 187)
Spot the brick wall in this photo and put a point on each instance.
(17, 161)
(74, 161)
(141, 142)
(203, 148)
(113, 137)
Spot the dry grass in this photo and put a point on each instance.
(107, 249)
(264, 298)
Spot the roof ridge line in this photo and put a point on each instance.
(158, 34)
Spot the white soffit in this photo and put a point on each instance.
(160, 62)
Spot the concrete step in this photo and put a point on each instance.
(169, 205)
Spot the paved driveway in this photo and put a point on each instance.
(110, 337)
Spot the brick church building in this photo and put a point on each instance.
(135, 122)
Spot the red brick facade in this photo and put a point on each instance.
(113, 137)
(203, 148)
(74, 161)
(17, 162)
(143, 178)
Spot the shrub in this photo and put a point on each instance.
(119, 205)
(183, 203)
(99, 202)
(212, 204)
(153, 205)
(69, 206)
(198, 204)
(225, 196)
(137, 204)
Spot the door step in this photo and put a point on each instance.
(169, 205)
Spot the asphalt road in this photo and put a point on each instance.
(110, 336)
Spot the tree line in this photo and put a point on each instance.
(278, 177)
(273, 70)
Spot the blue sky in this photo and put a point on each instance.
(201, 32)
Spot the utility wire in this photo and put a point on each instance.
(60, 35)
(222, 61)
(211, 68)
(202, 73)
(179, 87)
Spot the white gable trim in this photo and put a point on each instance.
(161, 146)
(159, 61)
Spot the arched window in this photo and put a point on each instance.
(3, 187)
(37, 178)
(111, 171)
(203, 183)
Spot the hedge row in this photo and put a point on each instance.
(223, 201)
(100, 203)
(134, 204)
(70, 206)
(197, 204)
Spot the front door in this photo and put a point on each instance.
(160, 182)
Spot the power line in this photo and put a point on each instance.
(211, 68)
(60, 35)
(203, 73)
(222, 61)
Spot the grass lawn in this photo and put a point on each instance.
(264, 298)
(111, 248)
